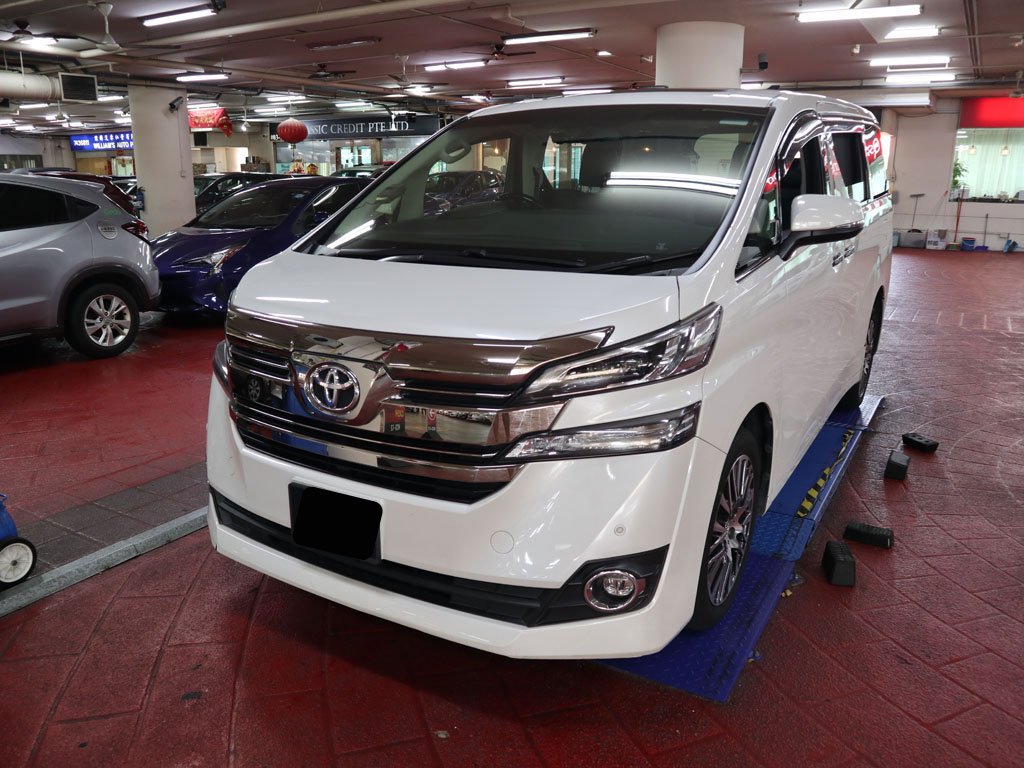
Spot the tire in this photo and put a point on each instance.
(730, 529)
(855, 395)
(17, 559)
(102, 321)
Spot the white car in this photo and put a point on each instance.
(545, 424)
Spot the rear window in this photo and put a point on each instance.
(24, 207)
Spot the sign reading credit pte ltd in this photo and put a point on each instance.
(99, 142)
(370, 126)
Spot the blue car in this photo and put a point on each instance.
(202, 262)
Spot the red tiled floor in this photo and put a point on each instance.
(181, 657)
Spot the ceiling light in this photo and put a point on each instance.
(202, 76)
(40, 105)
(122, 120)
(110, 97)
(479, 98)
(186, 14)
(38, 41)
(605, 53)
(203, 105)
(25, 127)
(587, 92)
(751, 86)
(298, 98)
(1005, 151)
(347, 104)
(883, 12)
(455, 65)
(972, 150)
(418, 89)
(75, 124)
(6, 121)
(918, 78)
(549, 37)
(344, 44)
(910, 61)
(270, 110)
(907, 33)
(537, 82)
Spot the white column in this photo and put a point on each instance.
(699, 54)
(163, 156)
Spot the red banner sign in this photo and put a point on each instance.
(992, 112)
(211, 118)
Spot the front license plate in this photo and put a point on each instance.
(334, 522)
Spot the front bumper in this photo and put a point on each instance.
(535, 533)
(199, 291)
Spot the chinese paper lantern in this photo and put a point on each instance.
(292, 131)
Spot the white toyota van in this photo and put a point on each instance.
(543, 417)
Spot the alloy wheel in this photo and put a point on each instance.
(108, 320)
(731, 530)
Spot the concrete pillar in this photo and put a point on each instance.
(699, 54)
(163, 156)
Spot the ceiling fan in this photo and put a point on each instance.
(403, 79)
(497, 52)
(17, 30)
(322, 73)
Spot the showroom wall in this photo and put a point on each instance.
(923, 162)
(55, 151)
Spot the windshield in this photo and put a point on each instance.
(260, 206)
(570, 187)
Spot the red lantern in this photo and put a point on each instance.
(292, 131)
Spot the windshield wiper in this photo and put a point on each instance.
(643, 259)
(426, 255)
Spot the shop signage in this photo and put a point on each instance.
(210, 118)
(99, 142)
(370, 126)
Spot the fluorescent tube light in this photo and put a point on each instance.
(537, 82)
(122, 120)
(549, 37)
(910, 61)
(349, 104)
(172, 18)
(270, 110)
(605, 53)
(587, 92)
(201, 76)
(751, 86)
(38, 41)
(287, 98)
(344, 44)
(111, 97)
(908, 33)
(852, 14)
(25, 127)
(203, 105)
(919, 78)
(40, 105)
(455, 65)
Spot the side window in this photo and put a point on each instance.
(24, 207)
(849, 151)
(79, 209)
(764, 229)
(878, 183)
(805, 176)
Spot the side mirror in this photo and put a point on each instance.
(826, 218)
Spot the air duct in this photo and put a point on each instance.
(15, 85)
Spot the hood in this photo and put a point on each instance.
(185, 243)
(455, 302)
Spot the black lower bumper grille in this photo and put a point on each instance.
(527, 606)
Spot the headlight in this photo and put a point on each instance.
(651, 433)
(673, 351)
(217, 258)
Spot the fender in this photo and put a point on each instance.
(113, 273)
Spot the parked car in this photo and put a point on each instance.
(113, 192)
(462, 187)
(360, 171)
(204, 180)
(40, 169)
(202, 262)
(645, 331)
(73, 265)
(130, 186)
(227, 185)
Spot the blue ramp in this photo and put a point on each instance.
(709, 663)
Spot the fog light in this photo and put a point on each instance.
(609, 591)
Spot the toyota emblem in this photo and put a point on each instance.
(332, 388)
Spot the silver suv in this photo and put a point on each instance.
(72, 264)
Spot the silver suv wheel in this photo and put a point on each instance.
(107, 320)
